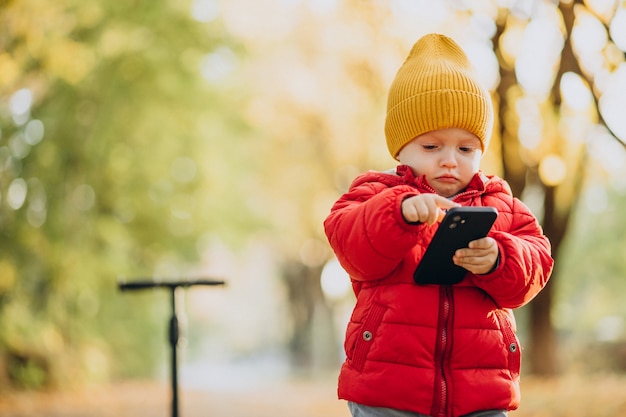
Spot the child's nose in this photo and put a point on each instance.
(448, 158)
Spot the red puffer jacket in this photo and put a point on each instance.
(431, 349)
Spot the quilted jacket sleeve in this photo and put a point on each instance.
(367, 232)
(525, 260)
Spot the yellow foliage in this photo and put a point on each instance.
(10, 71)
(69, 60)
(7, 276)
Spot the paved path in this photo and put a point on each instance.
(589, 396)
(153, 399)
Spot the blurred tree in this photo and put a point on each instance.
(555, 169)
(115, 145)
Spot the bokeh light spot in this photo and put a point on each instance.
(205, 10)
(552, 170)
(17, 193)
(334, 280)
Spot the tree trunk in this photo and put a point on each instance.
(542, 347)
(543, 341)
(313, 343)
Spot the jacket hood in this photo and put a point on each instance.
(403, 175)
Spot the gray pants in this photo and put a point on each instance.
(358, 410)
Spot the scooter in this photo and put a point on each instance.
(174, 330)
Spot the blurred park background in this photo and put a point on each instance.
(183, 139)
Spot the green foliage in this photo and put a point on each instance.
(593, 269)
(121, 183)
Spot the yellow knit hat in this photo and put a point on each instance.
(435, 88)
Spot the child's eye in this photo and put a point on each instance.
(466, 149)
(429, 147)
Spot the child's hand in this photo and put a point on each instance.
(426, 208)
(480, 257)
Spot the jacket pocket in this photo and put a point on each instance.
(511, 343)
(367, 335)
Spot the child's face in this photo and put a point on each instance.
(448, 158)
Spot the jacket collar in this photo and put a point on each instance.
(403, 175)
(476, 186)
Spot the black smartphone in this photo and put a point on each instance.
(459, 227)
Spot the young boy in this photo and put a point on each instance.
(434, 350)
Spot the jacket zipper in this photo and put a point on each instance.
(454, 197)
(440, 406)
